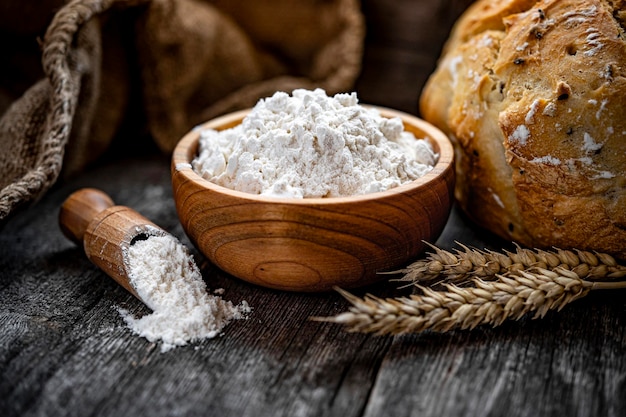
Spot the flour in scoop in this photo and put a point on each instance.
(166, 278)
(308, 145)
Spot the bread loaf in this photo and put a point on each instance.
(533, 95)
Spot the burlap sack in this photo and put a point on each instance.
(163, 65)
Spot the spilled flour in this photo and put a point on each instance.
(167, 279)
(310, 145)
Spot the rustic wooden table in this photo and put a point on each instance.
(65, 351)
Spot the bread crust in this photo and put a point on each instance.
(533, 94)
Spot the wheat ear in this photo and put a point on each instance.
(471, 263)
(488, 302)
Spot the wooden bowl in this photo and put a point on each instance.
(313, 244)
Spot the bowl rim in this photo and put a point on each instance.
(181, 165)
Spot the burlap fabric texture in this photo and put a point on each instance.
(166, 65)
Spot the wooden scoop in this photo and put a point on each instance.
(106, 231)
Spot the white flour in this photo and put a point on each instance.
(169, 282)
(310, 145)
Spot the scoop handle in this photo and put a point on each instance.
(79, 209)
(105, 231)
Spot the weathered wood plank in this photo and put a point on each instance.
(64, 350)
(571, 363)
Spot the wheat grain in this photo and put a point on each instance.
(482, 287)
(470, 263)
(487, 302)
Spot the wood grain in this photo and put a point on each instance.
(89, 218)
(313, 244)
(79, 209)
(65, 351)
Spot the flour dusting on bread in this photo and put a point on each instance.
(533, 94)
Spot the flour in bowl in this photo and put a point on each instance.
(309, 145)
(165, 276)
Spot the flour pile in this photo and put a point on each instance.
(167, 279)
(311, 145)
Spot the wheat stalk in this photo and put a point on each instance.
(488, 302)
(506, 285)
(470, 263)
